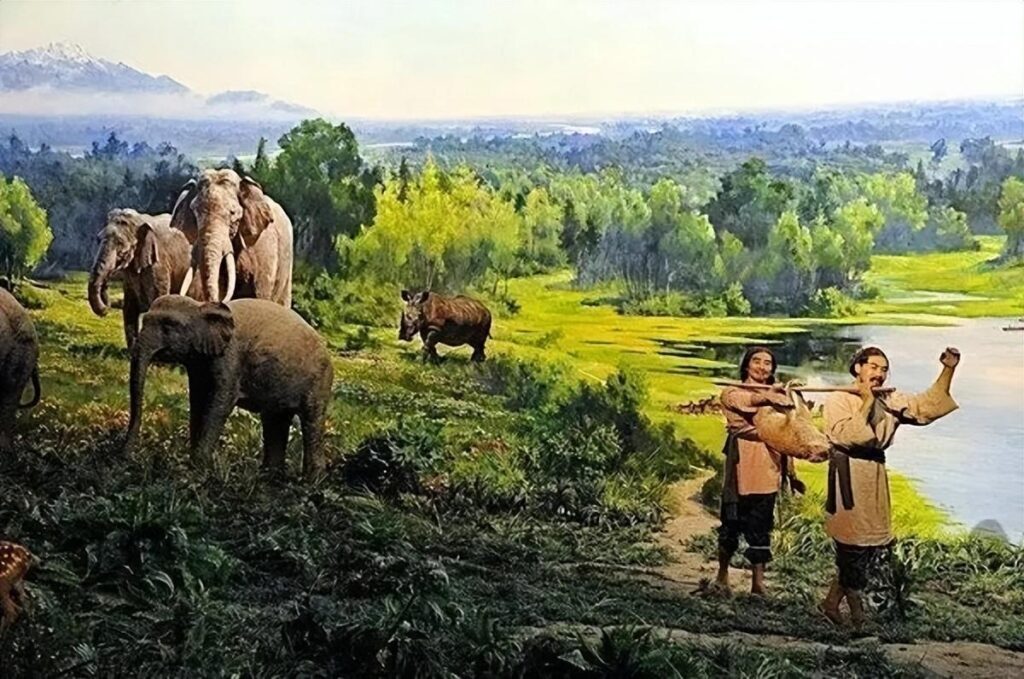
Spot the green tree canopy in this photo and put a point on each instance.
(1011, 215)
(24, 232)
(320, 180)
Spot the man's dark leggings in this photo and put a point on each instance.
(755, 518)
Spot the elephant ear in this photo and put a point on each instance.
(256, 214)
(215, 328)
(147, 253)
(182, 217)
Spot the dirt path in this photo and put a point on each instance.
(688, 569)
(689, 519)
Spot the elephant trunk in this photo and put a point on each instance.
(215, 250)
(141, 356)
(99, 276)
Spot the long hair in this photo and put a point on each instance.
(862, 356)
(749, 354)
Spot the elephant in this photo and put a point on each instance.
(239, 236)
(252, 353)
(153, 260)
(19, 363)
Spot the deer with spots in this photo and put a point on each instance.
(15, 562)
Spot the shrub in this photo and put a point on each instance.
(328, 303)
(362, 338)
(735, 303)
(391, 462)
(525, 384)
(32, 297)
(831, 303)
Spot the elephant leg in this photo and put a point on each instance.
(130, 315)
(199, 387)
(8, 408)
(275, 439)
(220, 406)
(312, 420)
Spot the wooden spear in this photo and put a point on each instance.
(849, 388)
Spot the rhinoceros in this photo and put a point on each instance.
(452, 321)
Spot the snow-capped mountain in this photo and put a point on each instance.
(68, 67)
(64, 79)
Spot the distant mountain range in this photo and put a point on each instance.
(63, 79)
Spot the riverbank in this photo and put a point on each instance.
(680, 356)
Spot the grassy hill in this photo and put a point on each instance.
(471, 515)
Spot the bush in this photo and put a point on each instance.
(490, 477)
(328, 303)
(392, 462)
(32, 297)
(831, 303)
(526, 385)
(502, 304)
(362, 338)
(703, 305)
(735, 303)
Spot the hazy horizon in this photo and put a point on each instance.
(455, 60)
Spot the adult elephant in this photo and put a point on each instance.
(151, 257)
(19, 358)
(241, 240)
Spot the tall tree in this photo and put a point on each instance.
(1011, 216)
(320, 180)
(24, 232)
(750, 203)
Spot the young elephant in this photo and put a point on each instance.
(250, 352)
(152, 258)
(19, 357)
(446, 320)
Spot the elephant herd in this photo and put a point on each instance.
(212, 285)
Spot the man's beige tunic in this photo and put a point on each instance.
(869, 523)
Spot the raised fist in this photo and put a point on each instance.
(950, 357)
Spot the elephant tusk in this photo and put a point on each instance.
(187, 283)
(230, 258)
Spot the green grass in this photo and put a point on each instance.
(998, 289)
(153, 567)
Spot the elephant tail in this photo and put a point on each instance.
(38, 392)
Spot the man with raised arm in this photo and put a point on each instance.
(861, 426)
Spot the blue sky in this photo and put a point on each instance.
(461, 58)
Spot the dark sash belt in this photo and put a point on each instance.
(839, 469)
(730, 484)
